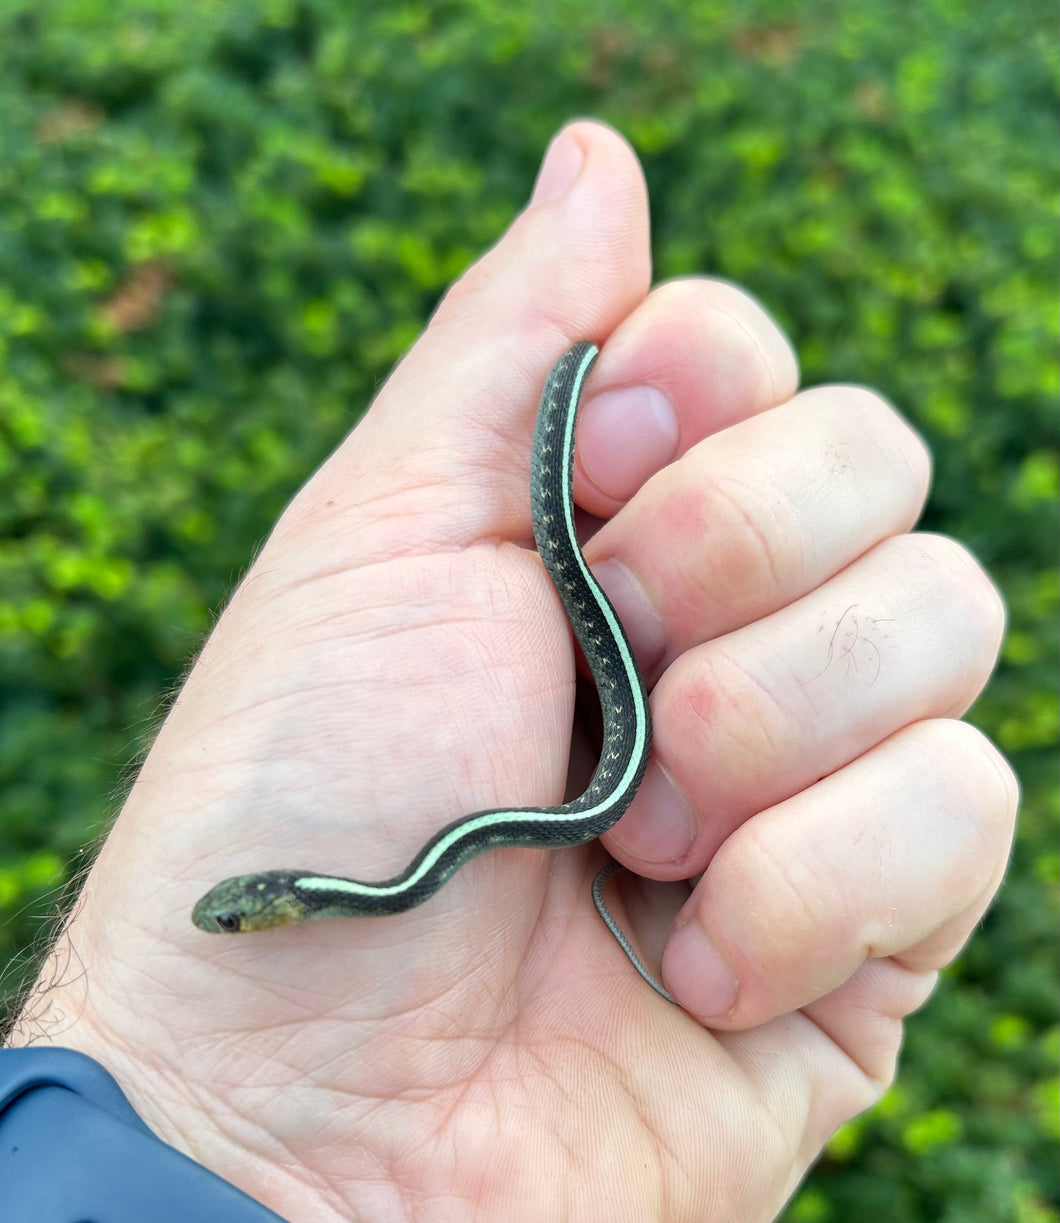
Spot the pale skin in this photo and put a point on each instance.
(396, 658)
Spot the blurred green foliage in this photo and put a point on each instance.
(221, 222)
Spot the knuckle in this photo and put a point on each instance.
(727, 311)
(963, 582)
(902, 449)
(794, 935)
(760, 556)
(722, 716)
(983, 785)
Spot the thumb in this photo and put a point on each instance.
(456, 416)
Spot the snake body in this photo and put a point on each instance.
(278, 897)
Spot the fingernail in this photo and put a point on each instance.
(639, 617)
(625, 436)
(661, 826)
(707, 987)
(561, 166)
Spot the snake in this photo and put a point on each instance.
(273, 898)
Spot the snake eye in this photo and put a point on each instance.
(229, 922)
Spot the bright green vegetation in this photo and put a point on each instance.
(221, 222)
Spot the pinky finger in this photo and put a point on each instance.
(895, 855)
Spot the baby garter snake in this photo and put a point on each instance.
(278, 897)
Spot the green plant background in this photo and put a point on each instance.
(221, 222)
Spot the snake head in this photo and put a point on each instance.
(252, 902)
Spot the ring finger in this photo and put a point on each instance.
(907, 632)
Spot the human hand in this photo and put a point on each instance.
(397, 658)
